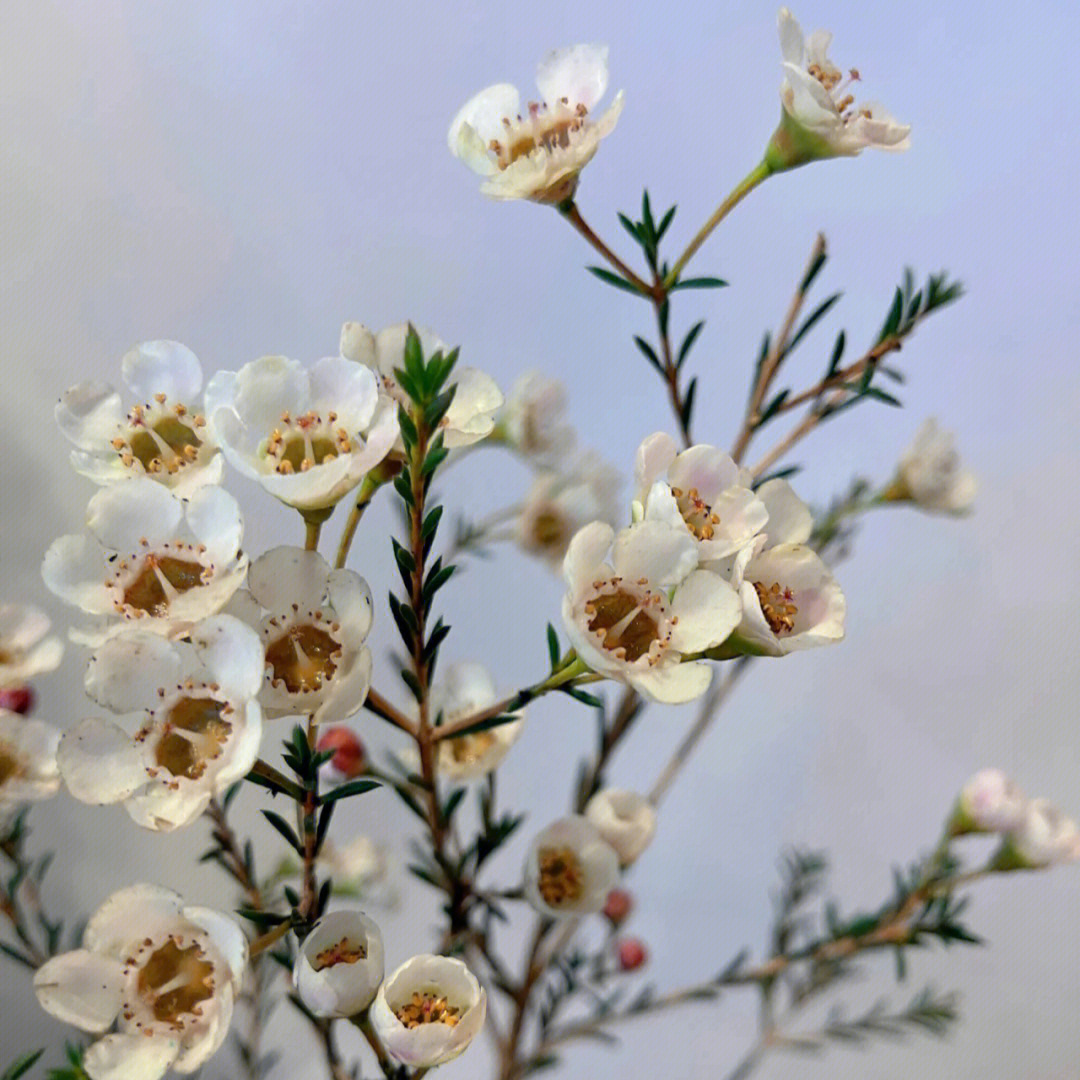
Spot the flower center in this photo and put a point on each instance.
(467, 749)
(163, 439)
(547, 129)
(11, 766)
(175, 981)
(549, 530)
(6, 657)
(561, 879)
(193, 735)
(696, 512)
(303, 658)
(428, 1009)
(777, 607)
(160, 581)
(832, 79)
(626, 620)
(304, 441)
(344, 952)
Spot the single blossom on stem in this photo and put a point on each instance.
(28, 771)
(989, 803)
(540, 154)
(931, 475)
(1043, 838)
(26, 647)
(570, 868)
(533, 420)
(626, 820)
(339, 965)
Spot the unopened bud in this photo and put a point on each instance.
(618, 906)
(350, 758)
(632, 954)
(17, 699)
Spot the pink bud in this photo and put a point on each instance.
(350, 759)
(618, 906)
(17, 699)
(632, 954)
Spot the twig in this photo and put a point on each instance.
(570, 211)
(377, 704)
(630, 706)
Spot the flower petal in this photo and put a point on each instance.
(214, 517)
(163, 367)
(579, 74)
(232, 652)
(73, 569)
(226, 935)
(673, 684)
(707, 608)
(483, 114)
(81, 988)
(658, 552)
(790, 520)
(122, 516)
(286, 575)
(100, 763)
(125, 673)
(89, 415)
(130, 1057)
(586, 553)
(131, 914)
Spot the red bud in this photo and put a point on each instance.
(17, 699)
(618, 906)
(632, 954)
(349, 759)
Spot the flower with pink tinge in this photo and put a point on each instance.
(26, 647)
(618, 906)
(537, 153)
(28, 769)
(989, 803)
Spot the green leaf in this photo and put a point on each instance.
(649, 353)
(688, 343)
(613, 279)
(819, 312)
(285, 829)
(553, 645)
(348, 790)
(699, 283)
(665, 221)
(21, 1066)
(812, 271)
(687, 410)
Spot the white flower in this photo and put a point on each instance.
(167, 975)
(163, 435)
(358, 867)
(930, 474)
(464, 689)
(428, 1011)
(28, 770)
(533, 421)
(703, 494)
(313, 622)
(820, 116)
(626, 820)
(561, 503)
(192, 725)
(633, 618)
(150, 558)
(339, 966)
(989, 802)
(307, 433)
(570, 868)
(471, 415)
(538, 156)
(790, 599)
(25, 651)
(1045, 836)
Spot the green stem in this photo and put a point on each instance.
(311, 534)
(370, 485)
(570, 211)
(762, 171)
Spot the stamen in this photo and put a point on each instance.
(428, 1009)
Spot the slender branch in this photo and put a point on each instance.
(571, 213)
(306, 812)
(325, 1029)
(377, 704)
(795, 435)
(371, 483)
(271, 937)
(630, 707)
(759, 173)
(311, 534)
(235, 862)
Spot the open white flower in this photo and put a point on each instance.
(626, 820)
(313, 622)
(428, 1011)
(703, 493)
(151, 558)
(634, 618)
(471, 415)
(989, 802)
(930, 474)
(190, 726)
(359, 868)
(463, 689)
(1044, 837)
(539, 155)
(561, 503)
(28, 770)
(820, 117)
(167, 975)
(570, 868)
(339, 966)
(307, 433)
(533, 421)
(163, 435)
(25, 650)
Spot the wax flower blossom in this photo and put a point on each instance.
(704, 492)
(570, 868)
(314, 622)
(930, 474)
(25, 650)
(151, 558)
(471, 415)
(307, 433)
(626, 820)
(790, 599)
(1044, 837)
(359, 868)
(533, 420)
(634, 618)
(538, 156)
(989, 802)
(339, 965)
(820, 118)
(190, 724)
(163, 435)
(428, 1011)
(28, 770)
(166, 974)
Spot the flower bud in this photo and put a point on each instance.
(1045, 837)
(626, 820)
(17, 699)
(340, 964)
(618, 906)
(632, 954)
(989, 802)
(350, 758)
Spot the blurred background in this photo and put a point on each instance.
(245, 177)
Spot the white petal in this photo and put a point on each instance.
(232, 652)
(130, 1057)
(653, 459)
(347, 690)
(390, 345)
(73, 570)
(158, 807)
(124, 515)
(124, 674)
(707, 608)
(288, 575)
(226, 935)
(673, 684)
(100, 763)
(586, 553)
(357, 344)
(655, 551)
(163, 367)
(220, 393)
(321, 486)
(579, 74)
(129, 915)
(350, 598)
(199, 1046)
(81, 988)
(214, 517)
(790, 520)
(267, 387)
(791, 38)
(484, 114)
(346, 388)
(243, 747)
(89, 415)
